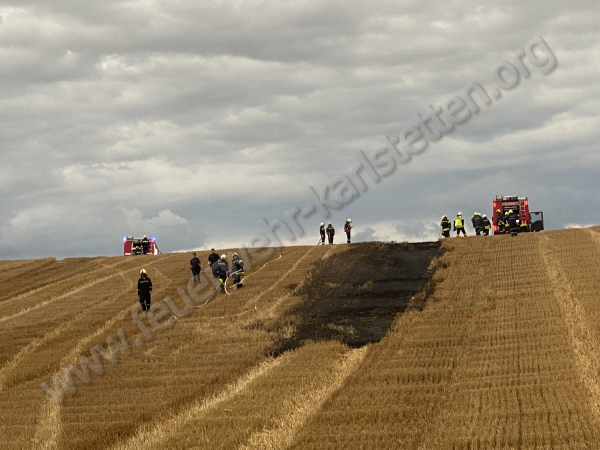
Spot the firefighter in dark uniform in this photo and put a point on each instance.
(500, 221)
(237, 270)
(512, 223)
(348, 229)
(322, 233)
(477, 222)
(144, 290)
(213, 258)
(506, 224)
(459, 225)
(145, 245)
(523, 227)
(195, 267)
(221, 268)
(330, 232)
(486, 225)
(446, 227)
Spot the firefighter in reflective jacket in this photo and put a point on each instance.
(512, 222)
(446, 226)
(145, 244)
(237, 268)
(506, 224)
(459, 225)
(348, 229)
(144, 290)
(330, 232)
(477, 222)
(486, 225)
(221, 269)
(500, 221)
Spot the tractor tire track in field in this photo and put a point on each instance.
(153, 438)
(69, 293)
(583, 339)
(306, 404)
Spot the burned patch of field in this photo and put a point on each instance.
(354, 296)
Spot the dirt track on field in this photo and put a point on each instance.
(497, 349)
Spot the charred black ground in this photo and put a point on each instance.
(354, 296)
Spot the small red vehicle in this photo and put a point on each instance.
(133, 246)
(528, 221)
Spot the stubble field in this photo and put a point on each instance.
(499, 350)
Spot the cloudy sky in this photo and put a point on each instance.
(194, 121)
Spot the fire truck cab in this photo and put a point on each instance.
(533, 221)
(133, 246)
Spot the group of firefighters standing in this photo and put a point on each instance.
(330, 231)
(218, 265)
(507, 223)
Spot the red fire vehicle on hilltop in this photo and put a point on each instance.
(134, 246)
(533, 221)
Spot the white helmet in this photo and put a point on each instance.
(460, 214)
(484, 216)
(349, 220)
(234, 255)
(223, 256)
(322, 224)
(510, 211)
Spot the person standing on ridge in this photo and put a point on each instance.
(195, 267)
(144, 290)
(145, 245)
(459, 225)
(512, 223)
(446, 227)
(348, 229)
(499, 221)
(486, 225)
(213, 258)
(237, 267)
(322, 233)
(221, 268)
(330, 232)
(477, 222)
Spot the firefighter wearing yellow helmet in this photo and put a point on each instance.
(477, 222)
(144, 290)
(446, 226)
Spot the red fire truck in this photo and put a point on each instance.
(133, 246)
(528, 221)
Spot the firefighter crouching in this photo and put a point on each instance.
(237, 267)
(477, 222)
(144, 290)
(459, 225)
(446, 226)
(486, 225)
(221, 269)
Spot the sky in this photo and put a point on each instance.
(204, 123)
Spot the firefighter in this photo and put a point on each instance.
(506, 224)
(459, 225)
(477, 222)
(144, 290)
(512, 223)
(330, 232)
(446, 226)
(237, 267)
(221, 268)
(523, 226)
(486, 225)
(500, 221)
(213, 258)
(145, 245)
(195, 267)
(322, 233)
(348, 229)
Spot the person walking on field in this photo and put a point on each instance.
(322, 233)
(145, 245)
(237, 267)
(221, 268)
(195, 267)
(477, 222)
(459, 225)
(144, 290)
(486, 225)
(348, 229)
(213, 258)
(330, 232)
(446, 226)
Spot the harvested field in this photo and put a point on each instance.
(498, 350)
